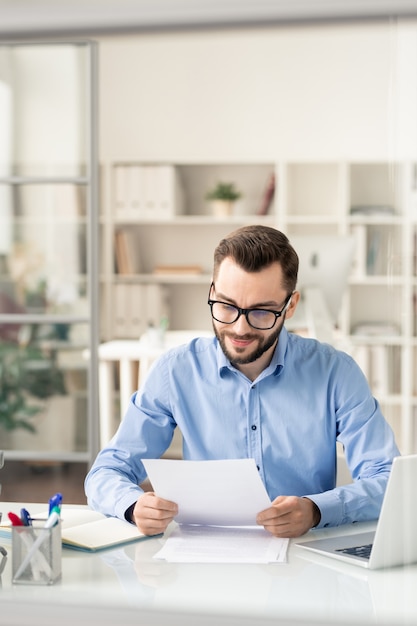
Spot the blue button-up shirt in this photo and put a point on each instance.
(288, 420)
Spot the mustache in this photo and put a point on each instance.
(245, 337)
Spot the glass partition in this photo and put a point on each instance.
(47, 272)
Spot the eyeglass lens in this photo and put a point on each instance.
(258, 318)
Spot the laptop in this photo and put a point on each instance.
(394, 541)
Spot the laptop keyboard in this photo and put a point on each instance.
(363, 552)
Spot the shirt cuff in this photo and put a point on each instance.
(129, 513)
(331, 508)
(125, 503)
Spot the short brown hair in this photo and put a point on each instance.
(256, 247)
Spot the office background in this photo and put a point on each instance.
(375, 128)
(328, 107)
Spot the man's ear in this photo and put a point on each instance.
(295, 299)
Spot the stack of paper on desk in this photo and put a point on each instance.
(223, 544)
(218, 502)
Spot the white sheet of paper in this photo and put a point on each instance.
(223, 493)
(215, 544)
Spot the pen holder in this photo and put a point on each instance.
(36, 554)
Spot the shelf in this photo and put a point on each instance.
(377, 340)
(163, 278)
(46, 219)
(59, 456)
(197, 220)
(377, 220)
(307, 220)
(397, 280)
(44, 180)
(42, 318)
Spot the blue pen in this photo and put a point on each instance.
(25, 517)
(55, 503)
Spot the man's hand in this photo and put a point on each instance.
(289, 516)
(153, 514)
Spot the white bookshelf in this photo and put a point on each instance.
(185, 236)
(377, 323)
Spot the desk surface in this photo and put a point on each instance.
(306, 589)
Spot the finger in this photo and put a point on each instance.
(152, 501)
(152, 524)
(153, 514)
(288, 525)
(279, 507)
(287, 531)
(277, 522)
(294, 518)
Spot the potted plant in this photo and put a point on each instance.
(222, 198)
(26, 377)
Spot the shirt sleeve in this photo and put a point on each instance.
(369, 447)
(146, 431)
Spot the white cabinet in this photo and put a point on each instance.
(171, 254)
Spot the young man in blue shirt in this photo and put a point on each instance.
(254, 390)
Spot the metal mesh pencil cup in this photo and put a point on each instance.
(36, 554)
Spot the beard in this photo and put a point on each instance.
(264, 343)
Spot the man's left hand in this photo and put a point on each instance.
(289, 516)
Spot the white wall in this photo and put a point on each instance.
(298, 92)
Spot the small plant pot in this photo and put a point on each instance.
(222, 208)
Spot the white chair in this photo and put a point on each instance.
(130, 355)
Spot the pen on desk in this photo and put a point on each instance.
(55, 502)
(40, 560)
(25, 517)
(52, 520)
(50, 523)
(15, 519)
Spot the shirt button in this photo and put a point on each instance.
(258, 468)
(253, 427)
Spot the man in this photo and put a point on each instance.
(256, 391)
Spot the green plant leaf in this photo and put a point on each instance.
(223, 191)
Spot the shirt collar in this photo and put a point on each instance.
(278, 358)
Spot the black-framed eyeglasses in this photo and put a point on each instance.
(260, 319)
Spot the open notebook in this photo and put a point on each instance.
(90, 531)
(394, 542)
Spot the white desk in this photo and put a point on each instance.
(128, 586)
(129, 354)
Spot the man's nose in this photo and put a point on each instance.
(241, 325)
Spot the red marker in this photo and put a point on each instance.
(15, 519)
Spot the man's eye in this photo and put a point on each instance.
(260, 313)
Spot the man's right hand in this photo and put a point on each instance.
(153, 514)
